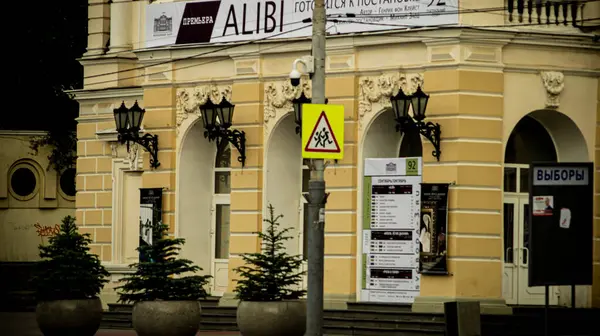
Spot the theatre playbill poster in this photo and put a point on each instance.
(150, 214)
(433, 229)
(390, 240)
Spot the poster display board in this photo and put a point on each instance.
(390, 240)
(218, 21)
(561, 217)
(433, 228)
(150, 214)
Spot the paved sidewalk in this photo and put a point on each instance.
(23, 324)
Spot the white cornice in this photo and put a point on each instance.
(110, 93)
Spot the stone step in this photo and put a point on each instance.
(385, 315)
(383, 323)
(379, 306)
(373, 331)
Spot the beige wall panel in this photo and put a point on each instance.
(254, 158)
(337, 87)
(103, 235)
(85, 200)
(81, 148)
(464, 175)
(234, 262)
(340, 245)
(167, 159)
(247, 93)
(438, 286)
(464, 80)
(158, 180)
(469, 128)
(88, 230)
(254, 135)
(93, 182)
(243, 244)
(464, 104)
(159, 97)
(94, 148)
(475, 223)
(340, 222)
(350, 132)
(106, 253)
(104, 199)
(336, 284)
(104, 165)
(248, 114)
(107, 217)
(107, 182)
(166, 139)
(477, 279)
(86, 165)
(398, 51)
(349, 107)
(474, 199)
(168, 202)
(474, 247)
(340, 177)
(341, 200)
(79, 216)
(86, 131)
(247, 179)
(350, 151)
(465, 151)
(246, 201)
(245, 223)
(596, 287)
(93, 217)
(157, 118)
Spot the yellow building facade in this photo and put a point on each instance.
(503, 97)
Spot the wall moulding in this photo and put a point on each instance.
(374, 92)
(190, 99)
(278, 100)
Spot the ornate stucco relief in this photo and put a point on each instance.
(190, 99)
(375, 92)
(554, 83)
(278, 100)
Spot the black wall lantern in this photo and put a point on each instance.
(217, 120)
(129, 122)
(404, 123)
(297, 102)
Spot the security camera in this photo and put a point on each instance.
(295, 77)
(308, 63)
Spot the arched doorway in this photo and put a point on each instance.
(381, 140)
(284, 180)
(200, 186)
(540, 136)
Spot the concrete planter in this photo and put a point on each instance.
(69, 317)
(166, 318)
(273, 318)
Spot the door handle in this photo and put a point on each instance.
(510, 255)
(525, 257)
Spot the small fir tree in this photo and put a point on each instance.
(67, 270)
(271, 275)
(158, 276)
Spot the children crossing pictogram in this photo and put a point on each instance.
(323, 131)
(322, 138)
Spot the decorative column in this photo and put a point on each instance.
(120, 26)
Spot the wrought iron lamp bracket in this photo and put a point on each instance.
(148, 141)
(431, 131)
(235, 137)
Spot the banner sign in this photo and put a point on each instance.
(150, 214)
(390, 240)
(433, 228)
(215, 21)
(561, 217)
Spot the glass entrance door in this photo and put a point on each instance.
(516, 242)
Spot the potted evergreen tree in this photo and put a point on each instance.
(68, 281)
(269, 294)
(165, 301)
